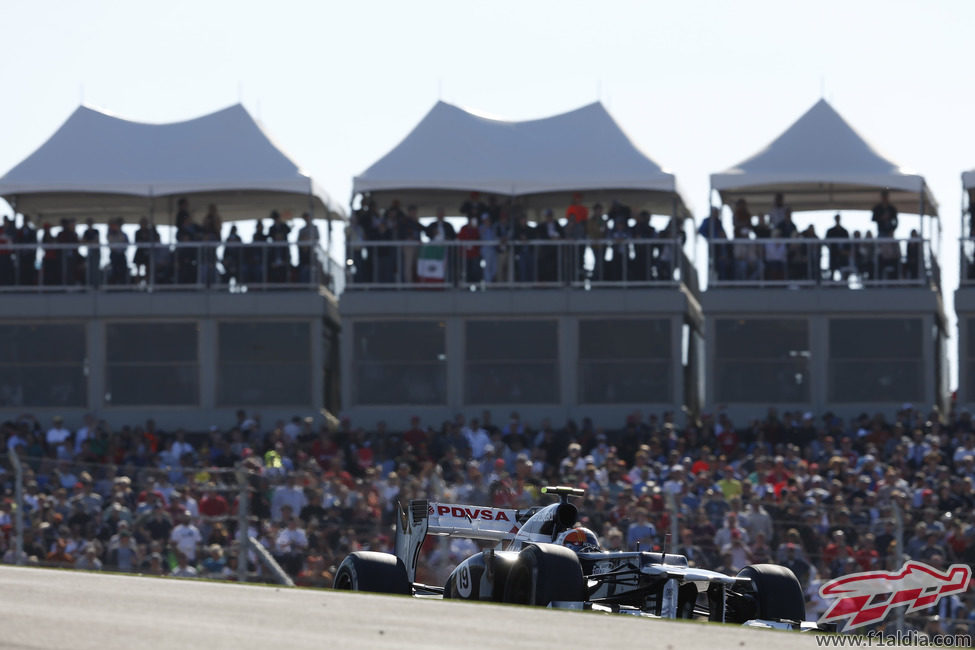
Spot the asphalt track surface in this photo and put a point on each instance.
(42, 608)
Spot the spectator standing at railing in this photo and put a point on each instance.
(187, 232)
(885, 215)
(471, 253)
(778, 211)
(386, 256)
(7, 265)
(144, 238)
(489, 248)
(254, 255)
(210, 238)
(93, 253)
(620, 250)
(640, 264)
(233, 254)
(308, 238)
(549, 230)
(912, 268)
(26, 237)
(741, 216)
(279, 257)
(745, 255)
(668, 252)
(812, 252)
(439, 231)
(408, 230)
(595, 233)
(576, 216)
(839, 254)
(713, 230)
(504, 234)
(71, 270)
(51, 257)
(524, 233)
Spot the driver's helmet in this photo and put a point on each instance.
(580, 540)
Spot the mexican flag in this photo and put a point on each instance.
(431, 264)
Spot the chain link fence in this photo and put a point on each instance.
(291, 519)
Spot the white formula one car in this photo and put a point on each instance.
(542, 559)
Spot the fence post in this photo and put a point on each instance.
(243, 515)
(899, 540)
(674, 525)
(19, 499)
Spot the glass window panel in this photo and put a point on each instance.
(617, 382)
(624, 339)
(264, 384)
(384, 383)
(151, 342)
(875, 381)
(399, 341)
(42, 344)
(761, 338)
(523, 382)
(264, 364)
(875, 338)
(170, 384)
(772, 382)
(512, 340)
(48, 385)
(270, 342)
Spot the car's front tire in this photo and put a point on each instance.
(776, 592)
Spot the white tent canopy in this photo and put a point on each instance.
(822, 163)
(452, 153)
(98, 165)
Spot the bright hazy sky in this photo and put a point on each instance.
(699, 86)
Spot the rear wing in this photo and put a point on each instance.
(422, 518)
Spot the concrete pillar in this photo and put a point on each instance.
(317, 379)
(568, 365)
(676, 396)
(346, 366)
(455, 336)
(208, 353)
(819, 362)
(95, 364)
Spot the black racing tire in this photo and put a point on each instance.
(544, 573)
(380, 573)
(777, 592)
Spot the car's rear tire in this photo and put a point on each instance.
(776, 591)
(380, 573)
(544, 573)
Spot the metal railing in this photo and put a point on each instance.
(226, 266)
(800, 262)
(487, 264)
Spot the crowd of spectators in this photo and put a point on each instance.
(822, 496)
(744, 257)
(498, 243)
(61, 257)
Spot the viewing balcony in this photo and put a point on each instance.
(534, 264)
(797, 263)
(185, 266)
